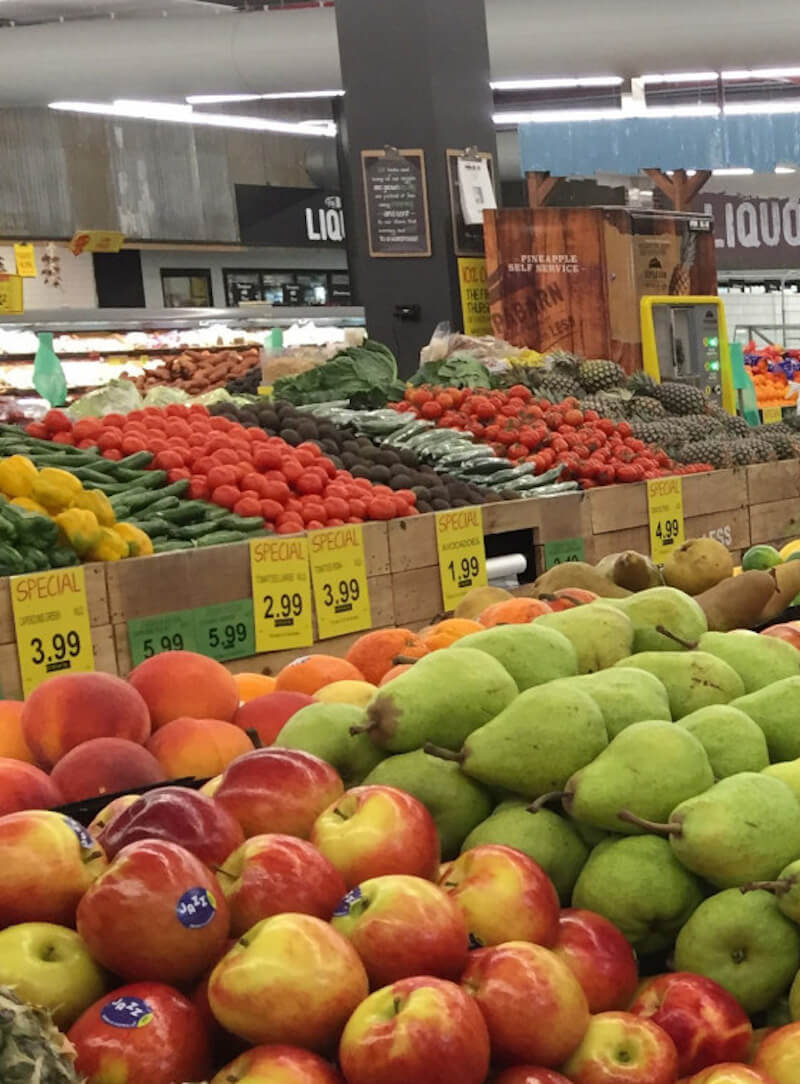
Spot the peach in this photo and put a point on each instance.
(197, 747)
(24, 786)
(105, 766)
(267, 714)
(12, 740)
(181, 683)
(74, 708)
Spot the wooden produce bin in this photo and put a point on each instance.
(773, 493)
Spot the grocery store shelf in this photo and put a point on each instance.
(252, 316)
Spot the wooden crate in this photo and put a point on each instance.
(774, 498)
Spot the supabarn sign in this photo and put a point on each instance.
(753, 233)
(289, 217)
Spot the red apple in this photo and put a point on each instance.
(373, 830)
(779, 1055)
(620, 1048)
(789, 631)
(418, 1029)
(267, 714)
(731, 1073)
(533, 1005)
(600, 958)
(278, 1065)
(529, 1074)
(142, 1032)
(504, 895)
(271, 874)
(291, 979)
(24, 786)
(48, 861)
(156, 913)
(278, 790)
(109, 811)
(181, 816)
(706, 1023)
(402, 926)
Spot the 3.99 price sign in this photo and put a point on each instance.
(51, 619)
(462, 555)
(339, 576)
(281, 593)
(665, 511)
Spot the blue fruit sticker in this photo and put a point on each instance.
(196, 908)
(346, 902)
(82, 833)
(127, 1012)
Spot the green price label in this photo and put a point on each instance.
(148, 636)
(565, 549)
(225, 631)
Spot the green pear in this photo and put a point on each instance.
(636, 883)
(324, 730)
(788, 771)
(745, 828)
(531, 653)
(693, 679)
(625, 696)
(535, 745)
(600, 634)
(785, 888)
(648, 766)
(775, 710)
(663, 608)
(780, 1012)
(732, 741)
(794, 999)
(743, 942)
(758, 660)
(544, 836)
(441, 699)
(455, 802)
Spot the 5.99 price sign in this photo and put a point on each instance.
(51, 619)
(462, 556)
(665, 511)
(339, 576)
(281, 593)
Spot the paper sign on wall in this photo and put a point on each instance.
(474, 295)
(476, 189)
(25, 260)
(96, 241)
(11, 295)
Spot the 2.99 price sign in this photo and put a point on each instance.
(281, 593)
(339, 576)
(51, 619)
(665, 511)
(462, 556)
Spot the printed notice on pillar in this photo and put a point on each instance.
(396, 198)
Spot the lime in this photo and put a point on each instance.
(761, 557)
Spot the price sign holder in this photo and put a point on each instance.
(51, 622)
(771, 415)
(25, 260)
(339, 578)
(462, 553)
(148, 636)
(565, 549)
(281, 582)
(665, 512)
(225, 631)
(11, 296)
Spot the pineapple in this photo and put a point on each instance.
(32, 1050)
(681, 281)
(600, 375)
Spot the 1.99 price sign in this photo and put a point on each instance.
(339, 576)
(665, 511)
(51, 619)
(281, 593)
(462, 556)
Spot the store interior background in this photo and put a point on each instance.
(216, 216)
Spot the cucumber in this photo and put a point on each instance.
(186, 512)
(240, 523)
(138, 461)
(170, 545)
(155, 527)
(194, 530)
(222, 538)
(164, 504)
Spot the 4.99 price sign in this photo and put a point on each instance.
(339, 576)
(51, 619)
(665, 511)
(462, 556)
(281, 593)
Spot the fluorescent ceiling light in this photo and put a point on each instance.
(680, 77)
(214, 99)
(184, 114)
(763, 73)
(559, 84)
(741, 109)
(631, 108)
(733, 172)
(785, 169)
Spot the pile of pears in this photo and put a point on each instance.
(649, 765)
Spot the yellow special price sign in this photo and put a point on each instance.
(771, 414)
(11, 303)
(281, 592)
(474, 295)
(339, 576)
(665, 511)
(96, 241)
(462, 554)
(25, 260)
(51, 620)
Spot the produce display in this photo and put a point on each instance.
(197, 371)
(771, 368)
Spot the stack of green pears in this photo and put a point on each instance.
(650, 766)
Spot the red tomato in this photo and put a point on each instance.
(292, 470)
(277, 491)
(255, 482)
(86, 428)
(313, 513)
(198, 488)
(177, 474)
(226, 456)
(336, 508)
(36, 429)
(270, 510)
(167, 460)
(431, 410)
(381, 508)
(110, 438)
(109, 453)
(311, 481)
(130, 445)
(225, 495)
(221, 475)
(256, 436)
(248, 505)
(289, 526)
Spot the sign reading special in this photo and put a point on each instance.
(462, 554)
(665, 511)
(51, 621)
(339, 576)
(281, 592)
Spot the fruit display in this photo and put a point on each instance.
(197, 371)
(771, 368)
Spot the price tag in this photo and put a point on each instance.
(772, 414)
(665, 510)
(225, 631)
(148, 636)
(51, 620)
(25, 260)
(96, 241)
(281, 593)
(11, 295)
(462, 553)
(339, 576)
(565, 549)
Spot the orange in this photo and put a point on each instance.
(252, 685)
(513, 611)
(311, 672)
(374, 652)
(448, 631)
(12, 743)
